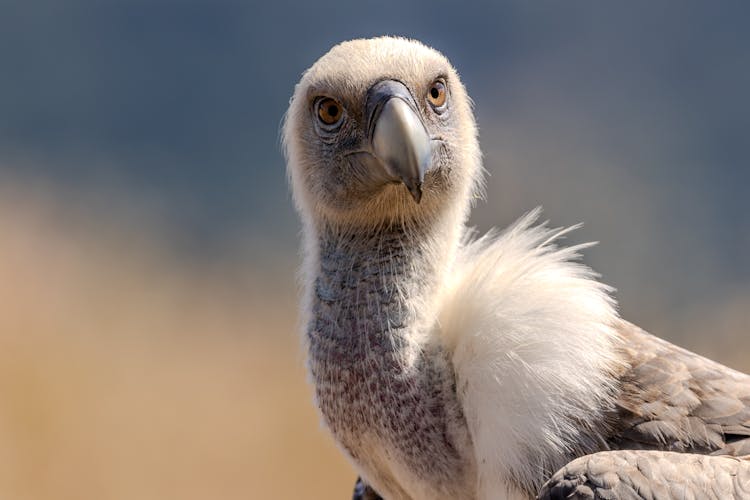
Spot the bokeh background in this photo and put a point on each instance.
(148, 245)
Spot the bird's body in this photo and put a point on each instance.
(448, 367)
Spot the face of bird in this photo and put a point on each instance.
(378, 130)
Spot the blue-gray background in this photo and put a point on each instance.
(633, 117)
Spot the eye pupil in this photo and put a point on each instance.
(437, 95)
(329, 111)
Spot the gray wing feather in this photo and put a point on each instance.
(671, 400)
(676, 400)
(641, 474)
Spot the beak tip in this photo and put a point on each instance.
(397, 135)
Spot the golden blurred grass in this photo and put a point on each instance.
(128, 373)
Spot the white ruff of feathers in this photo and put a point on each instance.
(534, 351)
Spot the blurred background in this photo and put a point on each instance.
(148, 245)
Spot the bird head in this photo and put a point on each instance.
(381, 130)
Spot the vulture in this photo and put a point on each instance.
(451, 366)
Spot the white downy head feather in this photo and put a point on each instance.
(533, 347)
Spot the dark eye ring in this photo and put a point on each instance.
(329, 111)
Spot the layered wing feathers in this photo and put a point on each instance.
(673, 399)
(652, 475)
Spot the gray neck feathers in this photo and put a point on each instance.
(368, 287)
(379, 380)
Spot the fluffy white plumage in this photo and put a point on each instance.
(532, 343)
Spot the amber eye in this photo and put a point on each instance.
(329, 111)
(437, 93)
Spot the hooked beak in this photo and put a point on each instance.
(397, 135)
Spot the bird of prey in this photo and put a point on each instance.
(448, 366)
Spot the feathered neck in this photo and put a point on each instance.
(383, 382)
(377, 286)
(404, 261)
